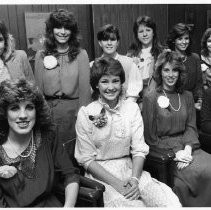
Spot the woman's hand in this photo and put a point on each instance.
(121, 187)
(183, 156)
(133, 192)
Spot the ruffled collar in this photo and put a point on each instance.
(107, 107)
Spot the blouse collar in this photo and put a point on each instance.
(116, 109)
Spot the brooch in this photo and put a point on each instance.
(99, 120)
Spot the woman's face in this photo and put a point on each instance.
(109, 46)
(182, 43)
(21, 117)
(2, 44)
(110, 87)
(61, 35)
(145, 35)
(169, 76)
(209, 44)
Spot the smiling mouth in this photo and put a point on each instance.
(23, 124)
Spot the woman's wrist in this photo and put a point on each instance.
(134, 178)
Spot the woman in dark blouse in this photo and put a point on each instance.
(170, 123)
(179, 39)
(29, 152)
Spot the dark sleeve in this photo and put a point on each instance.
(84, 76)
(149, 118)
(27, 67)
(206, 112)
(38, 70)
(190, 136)
(197, 92)
(3, 203)
(63, 164)
(149, 114)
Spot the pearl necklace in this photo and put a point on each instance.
(176, 110)
(29, 153)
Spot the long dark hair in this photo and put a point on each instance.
(57, 19)
(22, 90)
(204, 49)
(177, 31)
(136, 47)
(168, 56)
(5, 34)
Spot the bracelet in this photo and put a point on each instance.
(133, 177)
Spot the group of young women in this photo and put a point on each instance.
(163, 84)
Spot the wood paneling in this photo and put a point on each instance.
(177, 14)
(123, 17)
(13, 16)
(91, 17)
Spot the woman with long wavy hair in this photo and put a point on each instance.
(145, 49)
(62, 71)
(30, 154)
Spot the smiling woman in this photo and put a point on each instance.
(110, 143)
(170, 123)
(62, 71)
(108, 38)
(29, 151)
(179, 39)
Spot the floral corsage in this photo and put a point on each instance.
(7, 171)
(163, 102)
(50, 62)
(99, 120)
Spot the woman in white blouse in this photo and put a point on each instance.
(145, 50)
(110, 143)
(108, 38)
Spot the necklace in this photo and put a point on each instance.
(176, 110)
(29, 153)
(184, 58)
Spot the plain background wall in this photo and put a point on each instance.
(91, 17)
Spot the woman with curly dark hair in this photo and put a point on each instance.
(145, 49)
(179, 39)
(29, 151)
(170, 123)
(14, 63)
(62, 71)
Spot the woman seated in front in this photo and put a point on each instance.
(110, 143)
(170, 122)
(29, 152)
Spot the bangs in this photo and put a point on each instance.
(109, 36)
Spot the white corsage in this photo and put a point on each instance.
(204, 67)
(7, 171)
(50, 62)
(163, 102)
(1, 64)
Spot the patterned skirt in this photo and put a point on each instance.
(153, 193)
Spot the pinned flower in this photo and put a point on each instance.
(99, 120)
(163, 102)
(1, 64)
(7, 171)
(50, 62)
(204, 67)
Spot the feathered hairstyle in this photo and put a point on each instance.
(58, 19)
(204, 49)
(177, 31)
(108, 31)
(22, 90)
(104, 66)
(9, 42)
(136, 47)
(172, 57)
